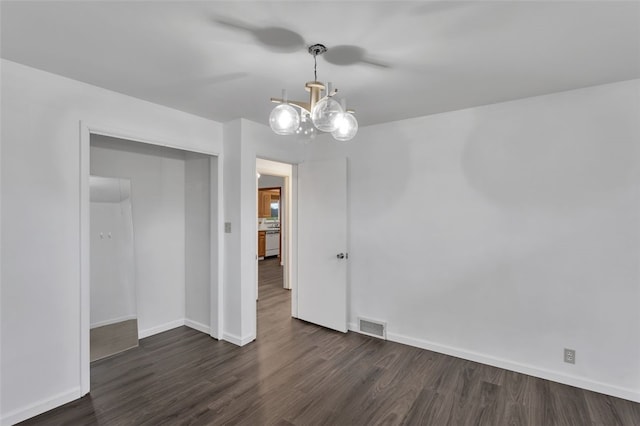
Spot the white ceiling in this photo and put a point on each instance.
(391, 60)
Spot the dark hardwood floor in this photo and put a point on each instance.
(300, 374)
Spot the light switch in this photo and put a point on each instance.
(227, 227)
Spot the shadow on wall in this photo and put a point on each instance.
(545, 161)
(137, 147)
(382, 171)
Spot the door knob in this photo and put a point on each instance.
(342, 256)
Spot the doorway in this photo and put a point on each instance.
(176, 212)
(274, 224)
(269, 218)
(170, 213)
(319, 289)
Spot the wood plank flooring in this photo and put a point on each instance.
(300, 374)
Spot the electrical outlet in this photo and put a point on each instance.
(570, 356)
(227, 227)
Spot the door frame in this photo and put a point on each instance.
(290, 240)
(216, 233)
(279, 189)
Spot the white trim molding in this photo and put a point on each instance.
(203, 328)
(216, 233)
(236, 340)
(530, 370)
(87, 129)
(85, 258)
(160, 328)
(113, 321)
(40, 407)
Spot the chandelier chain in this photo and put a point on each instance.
(315, 67)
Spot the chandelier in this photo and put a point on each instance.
(324, 114)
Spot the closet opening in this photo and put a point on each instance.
(150, 244)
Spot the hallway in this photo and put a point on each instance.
(274, 302)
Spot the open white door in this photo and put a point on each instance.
(322, 243)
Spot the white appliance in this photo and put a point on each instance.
(273, 242)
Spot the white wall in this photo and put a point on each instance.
(157, 176)
(489, 214)
(267, 181)
(113, 285)
(232, 272)
(244, 141)
(197, 241)
(506, 233)
(40, 281)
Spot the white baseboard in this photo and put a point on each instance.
(160, 328)
(197, 326)
(113, 321)
(40, 407)
(530, 370)
(541, 373)
(174, 324)
(236, 340)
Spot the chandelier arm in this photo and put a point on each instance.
(303, 105)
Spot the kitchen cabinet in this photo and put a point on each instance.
(262, 243)
(265, 198)
(264, 203)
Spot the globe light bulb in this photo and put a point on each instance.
(346, 127)
(306, 131)
(284, 119)
(325, 113)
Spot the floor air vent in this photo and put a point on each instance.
(372, 328)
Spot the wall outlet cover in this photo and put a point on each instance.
(570, 356)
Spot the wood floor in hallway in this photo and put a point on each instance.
(300, 374)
